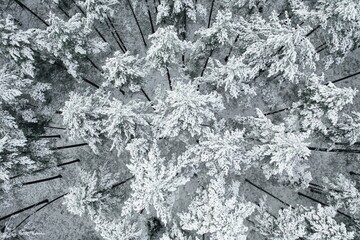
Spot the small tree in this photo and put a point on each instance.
(342, 193)
(155, 184)
(234, 77)
(217, 214)
(185, 109)
(166, 49)
(81, 117)
(97, 10)
(68, 41)
(123, 122)
(221, 150)
(279, 151)
(16, 45)
(173, 9)
(320, 104)
(301, 223)
(124, 71)
(338, 18)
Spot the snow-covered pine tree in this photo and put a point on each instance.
(339, 20)
(298, 222)
(343, 193)
(185, 110)
(280, 151)
(218, 213)
(69, 41)
(155, 185)
(124, 71)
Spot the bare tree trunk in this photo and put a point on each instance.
(70, 146)
(169, 79)
(46, 136)
(137, 23)
(32, 12)
(117, 34)
(24, 209)
(323, 204)
(313, 30)
(41, 180)
(334, 150)
(211, 10)
(48, 203)
(263, 190)
(149, 15)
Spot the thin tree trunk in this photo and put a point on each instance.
(116, 40)
(206, 63)
(263, 190)
(41, 180)
(116, 32)
(169, 79)
(231, 48)
(334, 150)
(24, 209)
(48, 203)
(211, 10)
(46, 136)
(94, 65)
(324, 204)
(122, 182)
(313, 30)
(90, 82)
(59, 128)
(149, 15)
(145, 94)
(344, 78)
(83, 13)
(69, 146)
(155, 7)
(137, 23)
(43, 169)
(32, 12)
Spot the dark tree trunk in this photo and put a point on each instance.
(32, 12)
(46, 136)
(117, 34)
(313, 30)
(169, 79)
(334, 150)
(59, 128)
(43, 169)
(70, 146)
(145, 94)
(206, 63)
(41, 180)
(323, 204)
(211, 10)
(149, 15)
(344, 78)
(263, 190)
(48, 203)
(24, 209)
(137, 23)
(231, 48)
(116, 40)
